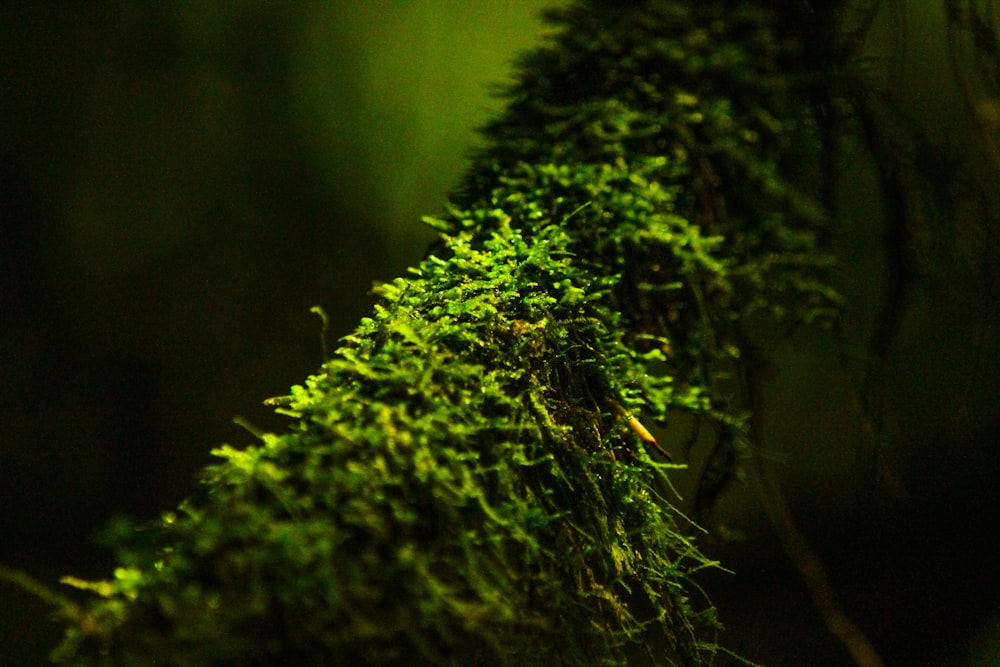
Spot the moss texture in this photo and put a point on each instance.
(467, 479)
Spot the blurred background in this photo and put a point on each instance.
(181, 181)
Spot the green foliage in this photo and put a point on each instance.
(459, 483)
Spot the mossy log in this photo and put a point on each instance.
(470, 479)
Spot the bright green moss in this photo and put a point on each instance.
(459, 483)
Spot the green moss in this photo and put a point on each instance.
(458, 483)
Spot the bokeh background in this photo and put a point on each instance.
(181, 181)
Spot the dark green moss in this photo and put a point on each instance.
(459, 483)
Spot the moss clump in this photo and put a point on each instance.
(459, 483)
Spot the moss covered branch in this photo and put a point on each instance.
(470, 479)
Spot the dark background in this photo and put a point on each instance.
(181, 181)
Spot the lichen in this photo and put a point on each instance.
(459, 483)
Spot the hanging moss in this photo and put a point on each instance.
(467, 480)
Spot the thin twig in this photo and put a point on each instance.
(806, 560)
